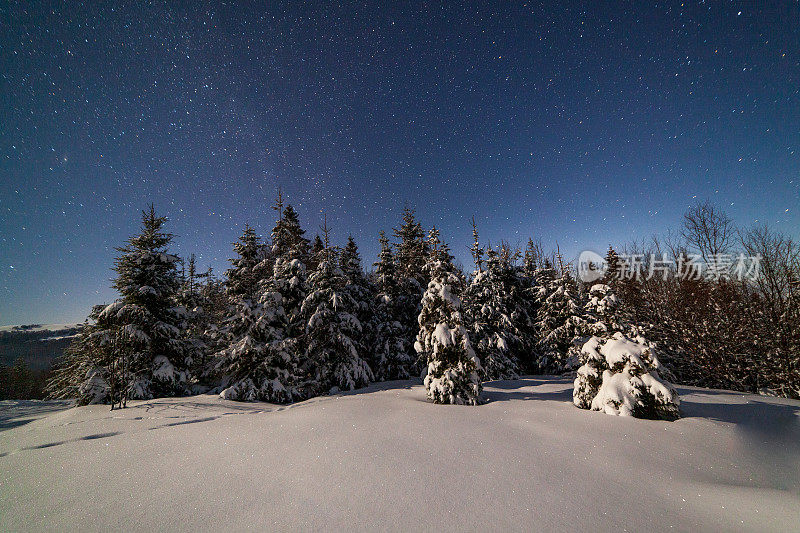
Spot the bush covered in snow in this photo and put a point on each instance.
(620, 376)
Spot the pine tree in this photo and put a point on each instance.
(496, 319)
(136, 349)
(333, 331)
(559, 320)
(243, 277)
(620, 376)
(453, 367)
(350, 264)
(411, 256)
(147, 317)
(411, 252)
(288, 239)
(613, 268)
(361, 291)
(392, 348)
(259, 365)
(620, 371)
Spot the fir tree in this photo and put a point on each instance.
(333, 331)
(361, 291)
(136, 349)
(392, 347)
(258, 365)
(243, 277)
(613, 268)
(443, 340)
(411, 252)
(496, 319)
(147, 317)
(559, 320)
(288, 239)
(620, 376)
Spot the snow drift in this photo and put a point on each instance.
(384, 458)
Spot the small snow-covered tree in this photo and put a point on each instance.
(333, 345)
(453, 367)
(620, 376)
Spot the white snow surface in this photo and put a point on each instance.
(383, 458)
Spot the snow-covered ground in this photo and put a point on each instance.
(384, 458)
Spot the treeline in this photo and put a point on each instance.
(20, 382)
(295, 317)
(724, 329)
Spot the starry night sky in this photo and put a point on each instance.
(583, 123)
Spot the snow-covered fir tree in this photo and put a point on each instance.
(362, 292)
(288, 240)
(258, 365)
(496, 314)
(559, 319)
(357, 283)
(137, 349)
(333, 332)
(147, 314)
(411, 256)
(453, 368)
(290, 267)
(620, 376)
(620, 371)
(613, 271)
(243, 277)
(494, 318)
(411, 251)
(393, 350)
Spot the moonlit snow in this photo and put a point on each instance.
(384, 458)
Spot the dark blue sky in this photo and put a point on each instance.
(580, 123)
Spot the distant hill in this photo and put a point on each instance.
(38, 344)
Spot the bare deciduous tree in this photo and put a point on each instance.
(708, 230)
